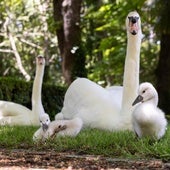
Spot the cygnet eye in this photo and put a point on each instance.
(143, 91)
(40, 121)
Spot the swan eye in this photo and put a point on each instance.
(143, 91)
(40, 121)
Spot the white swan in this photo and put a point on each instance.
(104, 108)
(58, 128)
(15, 114)
(12, 114)
(148, 119)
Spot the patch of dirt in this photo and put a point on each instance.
(27, 159)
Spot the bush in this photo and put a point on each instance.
(20, 92)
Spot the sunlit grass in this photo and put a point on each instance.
(90, 141)
(16, 136)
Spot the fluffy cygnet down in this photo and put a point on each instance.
(58, 128)
(148, 120)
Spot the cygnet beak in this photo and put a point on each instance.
(137, 100)
(44, 127)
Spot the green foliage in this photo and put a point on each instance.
(15, 90)
(104, 26)
(91, 141)
(32, 26)
(160, 15)
(52, 98)
(103, 39)
(19, 91)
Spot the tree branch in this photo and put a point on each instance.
(18, 58)
(31, 44)
(6, 51)
(14, 49)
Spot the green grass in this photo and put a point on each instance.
(90, 141)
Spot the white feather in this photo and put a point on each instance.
(148, 119)
(108, 109)
(15, 114)
(44, 120)
(72, 129)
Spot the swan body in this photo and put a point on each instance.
(11, 114)
(108, 108)
(59, 128)
(16, 114)
(93, 104)
(148, 119)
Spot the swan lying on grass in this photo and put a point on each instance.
(16, 114)
(57, 128)
(108, 109)
(148, 119)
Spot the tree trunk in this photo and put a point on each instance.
(67, 15)
(163, 73)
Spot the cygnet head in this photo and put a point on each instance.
(133, 23)
(44, 121)
(146, 93)
(40, 60)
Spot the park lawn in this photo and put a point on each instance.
(89, 141)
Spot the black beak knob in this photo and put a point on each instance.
(133, 19)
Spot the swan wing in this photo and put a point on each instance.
(12, 109)
(94, 104)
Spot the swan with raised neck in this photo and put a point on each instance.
(16, 114)
(132, 62)
(104, 108)
(37, 107)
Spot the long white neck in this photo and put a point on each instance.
(37, 106)
(131, 72)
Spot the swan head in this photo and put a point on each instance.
(133, 23)
(44, 121)
(40, 60)
(146, 93)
